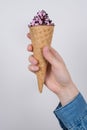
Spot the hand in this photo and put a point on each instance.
(57, 77)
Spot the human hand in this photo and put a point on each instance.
(57, 77)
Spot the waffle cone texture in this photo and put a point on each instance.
(41, 36)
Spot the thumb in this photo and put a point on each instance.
(49, 56)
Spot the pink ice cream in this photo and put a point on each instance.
(41, 18)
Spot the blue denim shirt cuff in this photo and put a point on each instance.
(71, 113)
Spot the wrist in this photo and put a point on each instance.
(67, 93)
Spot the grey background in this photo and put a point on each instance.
(21, 105)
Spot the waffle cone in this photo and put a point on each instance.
(41, 36)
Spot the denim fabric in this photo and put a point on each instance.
(73, 116)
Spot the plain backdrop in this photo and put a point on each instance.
(22, 107)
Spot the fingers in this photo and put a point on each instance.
(32, 60)
(28, 35)
(30, 48)
(49, 56)
(33, 68)
(34, 64)
(56, 54)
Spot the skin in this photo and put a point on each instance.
(57, 79)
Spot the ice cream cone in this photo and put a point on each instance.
(41, 36)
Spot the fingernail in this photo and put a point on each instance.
(35, 68)
(35, 62)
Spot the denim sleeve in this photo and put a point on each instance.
(73, 116)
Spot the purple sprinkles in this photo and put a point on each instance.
(41, 18)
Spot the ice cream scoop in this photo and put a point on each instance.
(41, 31)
